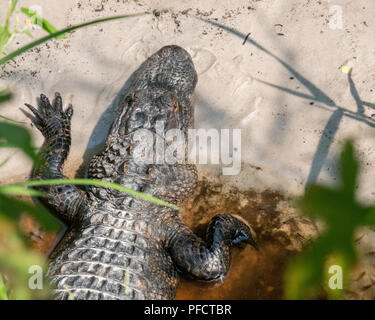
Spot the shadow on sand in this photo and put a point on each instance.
(316, 95)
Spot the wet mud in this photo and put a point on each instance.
(280, 233)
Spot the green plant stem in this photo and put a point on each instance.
(97, 183)
(66, 30)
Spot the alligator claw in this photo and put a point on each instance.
(57, 102)
(48, 115)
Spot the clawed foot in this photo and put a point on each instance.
(49, 118)
(243, 232)
(233, 228)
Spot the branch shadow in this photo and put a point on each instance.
(208, 110)
(316, 95)
(324, 145)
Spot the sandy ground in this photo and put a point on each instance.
(283, 87)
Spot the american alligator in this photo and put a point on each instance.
(119, 246)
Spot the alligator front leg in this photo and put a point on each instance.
(207, 260)
(54, 124)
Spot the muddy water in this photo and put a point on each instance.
(280, 233)
(42, 242)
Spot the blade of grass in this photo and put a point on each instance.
(37, 19)
(5, 95)
(12, 209)
(99, 183)
(66, 30)
(6, 36)
(9, 119)
(3, 289)
(4, 162)
(4, 144)
(15, 136)
(19, 190)
(12, 6)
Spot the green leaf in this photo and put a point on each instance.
(4, 38)
(302, 277)
(349, 169)
(15, 260)
(333, 206)
(369, 217)
(318, 200)
(63, 31)
(12, 6)
(3, 289)
(13, 208)
(18, 190)
(5, 95)
(4, 144)
(5, 34)
(4, 162)
(9, 119)
(342, 215)
(38, 20)
(27, 32)
(16, 136)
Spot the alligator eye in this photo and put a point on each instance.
(148, 171)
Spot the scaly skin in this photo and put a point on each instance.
(119, 246)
